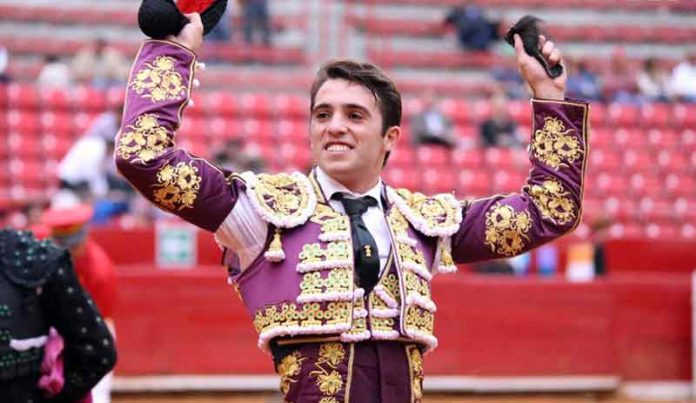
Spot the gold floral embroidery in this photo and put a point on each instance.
(159, 81)
(430, 213)
(506, 230)
(397, 221)
(328, 400)
(178, 186)
(288, 369)
(554, 145)
(416, 285)
(145, 139)
(553, 201)
(313, 253)
(415, 360)
(303, 315)
(328, 378)
(281, 195)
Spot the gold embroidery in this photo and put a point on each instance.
(391, 285)
(554, 145)
(281, 195)
(553, 201)
(159, 81)
(506, 230)
(338, 280)
(313, 253)
(328, 378)
(414, 284)
(145, 140)
(397, 221)
(288, 369)
(446, 256)
(368, 251)
(435, 212)
(415, 360)
(303, 315)
(419, 319)
(178, 186)
(411, 254)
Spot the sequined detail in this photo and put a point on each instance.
(506, 229)
(314, 257)
(439, 215)
(553, 201)
(327, 375)
(144, 140)
(554, 145)
(415, 361)
(178, 186)
(159, 81)
(288, 369)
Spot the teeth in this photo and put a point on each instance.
(338, 147)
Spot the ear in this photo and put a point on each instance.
(391, 138)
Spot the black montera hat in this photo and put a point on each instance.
(160, 18)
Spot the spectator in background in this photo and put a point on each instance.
(40, 290)
(474, 30)
(256, 16)
(431, 126)
(4, 63)
(54, 73)
(508, 78)
(100, 65)
(499, 130)
(619, 83)
(582, 82)
(653, 81)
(233, 158)
(683, 79)
(68, 222)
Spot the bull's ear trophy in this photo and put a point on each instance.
(528, 30)
(161, 18)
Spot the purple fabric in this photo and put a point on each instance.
(380, 373)
(214, 197)
(469, 243)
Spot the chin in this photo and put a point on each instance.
(336, 168)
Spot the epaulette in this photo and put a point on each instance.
(435, 216)
(283, 200)
(24, 260)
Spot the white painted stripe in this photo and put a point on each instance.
(216, 383)
(657, 391)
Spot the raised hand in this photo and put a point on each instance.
(191, 36)
(533, 72)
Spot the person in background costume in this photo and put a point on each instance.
(334, 266)
(68, 220)
(39, 290)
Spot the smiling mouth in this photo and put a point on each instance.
(337, 147)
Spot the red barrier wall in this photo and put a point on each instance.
(192, 322)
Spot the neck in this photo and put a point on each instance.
(357, 185)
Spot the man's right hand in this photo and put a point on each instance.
(191, 36)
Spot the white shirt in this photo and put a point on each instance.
(245, 232)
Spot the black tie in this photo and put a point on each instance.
(365, 253)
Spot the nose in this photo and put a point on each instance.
(336, 126)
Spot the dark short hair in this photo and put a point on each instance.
(369, 76)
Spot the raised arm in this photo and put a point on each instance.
(159, 89)
(549, 205)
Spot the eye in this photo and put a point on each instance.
(321, 115)
(355, 116)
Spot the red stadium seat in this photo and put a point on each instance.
(681, 185)
(403, 157)
(646, 185)
(474, 183)
(672, 160)
(256, 105)
(656, 115)
(23, 96)
(291, 106)
(56, 99)
(623, 115)
(401, 178)
(469, 159)
(89, 98)
(26, 122)
(292, 130)
(432, 156)
(458, 110)
(438, 181)
(58, 123)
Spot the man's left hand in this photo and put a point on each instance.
(534, 74)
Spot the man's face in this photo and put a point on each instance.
(346, 132)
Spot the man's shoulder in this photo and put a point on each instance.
(26, 261)
(285, 200)
(437, 215)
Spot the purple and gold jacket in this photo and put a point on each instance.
(302, 285)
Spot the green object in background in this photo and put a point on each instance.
(176, 245)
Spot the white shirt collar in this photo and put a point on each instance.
(331, 186)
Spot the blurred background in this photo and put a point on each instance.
(605, 310)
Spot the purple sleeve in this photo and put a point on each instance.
(548, 206)
(159, 88)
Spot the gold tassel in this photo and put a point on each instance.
(275, 251)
